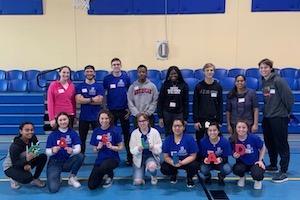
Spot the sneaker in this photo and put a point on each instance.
(14, 184)
(37, 182)
(173, 179)
(271, 168)
(221, 179)
(241, 181)
(280, 177)
(74, 182)
(190, 183)
(107, 182)
(154, 180)
(257, 185)
(139, 183)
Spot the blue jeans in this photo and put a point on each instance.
(55, 167)
(139, 172)
(224, 169)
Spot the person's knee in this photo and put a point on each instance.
(152, 166)
(53, 187)
(226, 169)
(204, 169)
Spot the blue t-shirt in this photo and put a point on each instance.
(104, 153)
(221, 149)
(71, 138)
(253, 144)
(89, 112)
(116, 88)
(185, 148)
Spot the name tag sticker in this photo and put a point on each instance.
(214, 94)
(112, 86)
(61, 91)
(99, 137)
(241, 100)
(136, 87)
(172, 104)
(84, 90)
(272, 91)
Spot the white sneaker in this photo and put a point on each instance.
(14, 184)
(257, 185)
(107, 182)
(154, 180)
(74, 182)
(241, 181)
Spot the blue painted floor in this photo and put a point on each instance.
(124, 190)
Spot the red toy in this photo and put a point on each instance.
(104, 139)
(62, 142)
(240, 149)
(212, 158)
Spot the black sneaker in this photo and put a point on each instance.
(221, 179)
(173, 179)
(280, 177)
(271, 168)
(190, 183)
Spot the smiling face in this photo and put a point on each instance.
(209, 72)
(64, 74)
(241, 129)
(240, 82)
(89, 74)
(142, 74)
(63, 121)
(265, 70)
(116, 66)
(104, 120)
(143, 123)
(27, 131)
(213, 132)
(178, 127)
(173, 76)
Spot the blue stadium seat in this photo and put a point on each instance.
(132, 75)
(227, 83)
(289, 72)
(252, 83)
(17, 85)
(3, 85)
(192, 82)
(292, 82)
(31, 74)
(220, 73)
(14, 74)
(187, 73)
(153, 74)
(34, 87)
(236, 71)
(199, 74)
(2, 74)
(100, 74)
(73, 73)
(79, 75)
(253, 72)
(157, 82)
(163, 74)
(51, 76)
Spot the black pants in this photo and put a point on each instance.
(275, 132)
(191, 169)
(125, 125)
(24, 177)
(84, 127)
(151, 121)
(168, 121)
(96, 176)
(257, 173)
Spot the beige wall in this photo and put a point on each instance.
(64, 36)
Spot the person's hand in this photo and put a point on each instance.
(206, 161)
(161, 123)
(261, 164)
(53, 123)
(254, 128)
(27, 168)
(236, 155)
(55, 149)
(218, 161)
(179, 164)
(100, 145)
(30, 156)
(69, 150)
(140, 149)
(197, 126)
(229, 129)
(127, 114)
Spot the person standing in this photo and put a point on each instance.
(90, 95)
(278, 102)
(116, 85)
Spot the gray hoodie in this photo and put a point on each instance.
(142, 97)
(278, 97)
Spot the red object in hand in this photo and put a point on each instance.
(240, 149)
(62, 142)
(104, 139)
(212, 158)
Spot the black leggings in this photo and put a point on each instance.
(257, 173)
(96, 176)
(191, 169)
(21, 176)
(84, 127)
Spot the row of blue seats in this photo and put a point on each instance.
(152, 73)
(18, 85)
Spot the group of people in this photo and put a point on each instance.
(210, 150)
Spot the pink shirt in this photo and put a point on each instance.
(61, 99)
